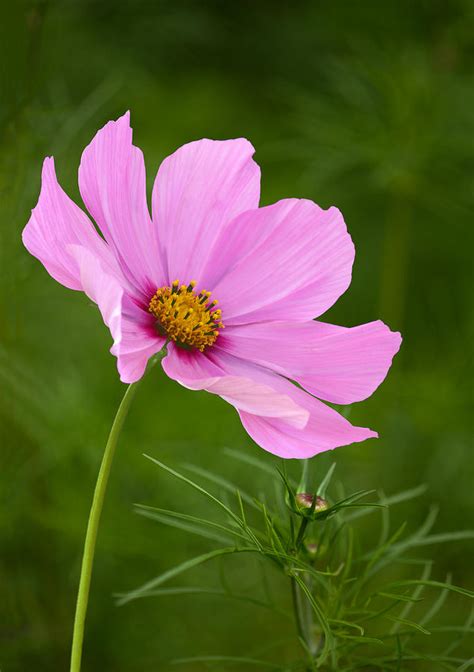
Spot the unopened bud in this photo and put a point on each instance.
(311, 547)
(305, 500)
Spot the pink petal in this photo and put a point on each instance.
(55, 223)
(326, 429)
(139, 342)
(334, 363)
(101, 288)
(287, 261)
(135, 340)
(197, 191)
(113, 186)
(191, 368)
(323, 429)
(195, 371)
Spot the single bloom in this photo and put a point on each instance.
(230, 288)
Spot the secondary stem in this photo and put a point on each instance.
(299, 618)
(303, 618)
(301, 624)
(301, 533)
(93, 526)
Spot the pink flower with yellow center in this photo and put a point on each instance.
(228, 287)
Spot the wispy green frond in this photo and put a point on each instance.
(217, 592)
(323, 486)
(223, 483)
(250, 460)
(189, 523)
(411, 624)
(433, 584)
(227, 659)
(143, 590)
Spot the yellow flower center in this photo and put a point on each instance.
(190, 320)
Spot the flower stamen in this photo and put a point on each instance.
(187, 318)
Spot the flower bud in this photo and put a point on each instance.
(311, 548)
(305, 500)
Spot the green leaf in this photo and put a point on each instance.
(189, 524)
(221, 482)
(350, 500)
(399, 653)
(323, 486)
(175, 571)
(210, 496)
(434, 584)
(416, 593)
(452, 628)
(226, 594)
(226, 659)
(274, 535)
(466, 665)
(194, 485)
(411, 624)
(400, 598)
(457, 641)
(403, 496)
(289, 489)
(445, 537)
(396, 550)
(347, 624)
(437, 604)
(374, 556)
(303, 484)
(252, 461)
(361, 640)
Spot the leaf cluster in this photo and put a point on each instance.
(355, 607)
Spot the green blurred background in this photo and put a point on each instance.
(365, 105)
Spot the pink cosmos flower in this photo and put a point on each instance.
(231, 289)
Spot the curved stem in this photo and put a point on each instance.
(93, 526)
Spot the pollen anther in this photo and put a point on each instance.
(189, 319)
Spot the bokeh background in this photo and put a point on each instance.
(364, 105)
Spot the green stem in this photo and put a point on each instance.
(297, 607)
(301, 625)
(93, 526)
(301, 533)
(303, 615)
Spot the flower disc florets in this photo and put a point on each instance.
(190, 320)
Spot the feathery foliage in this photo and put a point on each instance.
(354, 607)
